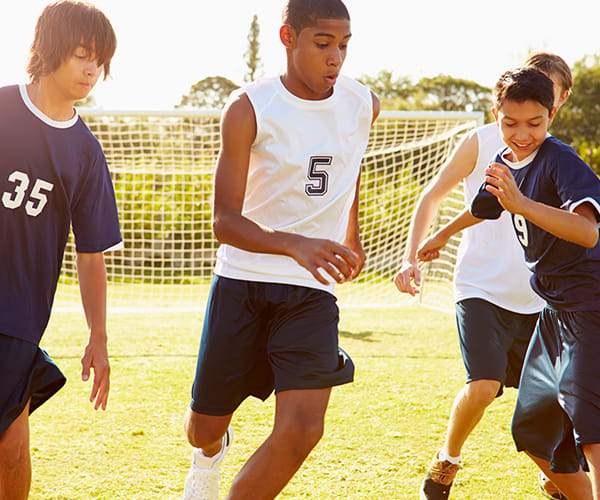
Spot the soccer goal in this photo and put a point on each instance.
(162, 166)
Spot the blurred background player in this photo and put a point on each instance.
(286, 213)
(53, 174)
(496, 309)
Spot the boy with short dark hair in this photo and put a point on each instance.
(554, 199)
(53, 174)
(496, 308)
(286, 213)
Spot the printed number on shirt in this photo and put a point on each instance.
(521, 227)
(319, 177)
(15, 199)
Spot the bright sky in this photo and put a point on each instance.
(165, 47)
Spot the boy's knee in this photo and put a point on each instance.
(14, 450)
(303, 434)
(482, 392)
(204, 430)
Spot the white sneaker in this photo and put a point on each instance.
(202, 482)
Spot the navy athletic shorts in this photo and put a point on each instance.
(263, 336)
(493, 341)
(26, 372)
(558, 407)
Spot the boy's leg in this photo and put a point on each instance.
(206, 431)
(15, 462)
(210, 437)
(575, 486)
(592, 455)
(298, 427)
(468, 409)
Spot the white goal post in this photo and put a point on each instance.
(162, 163)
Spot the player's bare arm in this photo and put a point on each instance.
(579, 226)
(91, 273)
(238, 131)
(460, 164)
(430, 248)
(352, 239)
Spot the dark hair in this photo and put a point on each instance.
(61, 28)
(300, 14)
(551, 65)
(523, 84)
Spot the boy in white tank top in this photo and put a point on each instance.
(286, 213)
(496, 309)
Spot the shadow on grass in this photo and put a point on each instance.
(364, 336)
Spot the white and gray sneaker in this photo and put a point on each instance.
(202, 482)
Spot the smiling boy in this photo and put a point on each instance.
(53, 175)
(286, 213)
(554, 199)
(496, 309)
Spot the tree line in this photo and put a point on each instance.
(577, 124)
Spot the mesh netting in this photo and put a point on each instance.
(162, 165)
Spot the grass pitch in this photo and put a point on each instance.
(381, 431)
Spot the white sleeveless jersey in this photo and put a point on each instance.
(304, 165)
(490, 262)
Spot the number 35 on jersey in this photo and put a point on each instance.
(36, 198)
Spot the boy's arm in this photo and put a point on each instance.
(459, 165)
(238, 131)
(92, 285)
(430, 248)
(579, 227)
(352, 239)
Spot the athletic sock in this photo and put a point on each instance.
(443, 456)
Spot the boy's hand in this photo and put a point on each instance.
(95, 356)
(356, 246)
(430, 248)
(408, 279)
(336, 260)
(502, 185)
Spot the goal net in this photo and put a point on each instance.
(162, 167)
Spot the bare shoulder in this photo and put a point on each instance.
(238, 117)
(464, 157)
(376, 106)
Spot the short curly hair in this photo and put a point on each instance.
(300, 14)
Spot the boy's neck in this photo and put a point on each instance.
(50, 101)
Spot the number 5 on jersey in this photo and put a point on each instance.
(319, 177)
(15, 199)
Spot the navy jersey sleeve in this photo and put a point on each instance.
(576, 183)
(485, 205)
(94, 211)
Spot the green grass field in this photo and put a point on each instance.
(381, 431)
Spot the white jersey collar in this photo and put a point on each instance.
(46, 119)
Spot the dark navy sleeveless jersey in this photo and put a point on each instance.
(52, 175)
(566, 275)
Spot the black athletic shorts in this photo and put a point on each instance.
(26, 372)
(263, 336)
(493, 341)
(558, 407)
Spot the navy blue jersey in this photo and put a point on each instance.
(566, 275)
(52, 175)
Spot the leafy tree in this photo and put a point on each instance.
(386, 87)
(578, 122)
(447, 93)
(251, 56)
(211, 92)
